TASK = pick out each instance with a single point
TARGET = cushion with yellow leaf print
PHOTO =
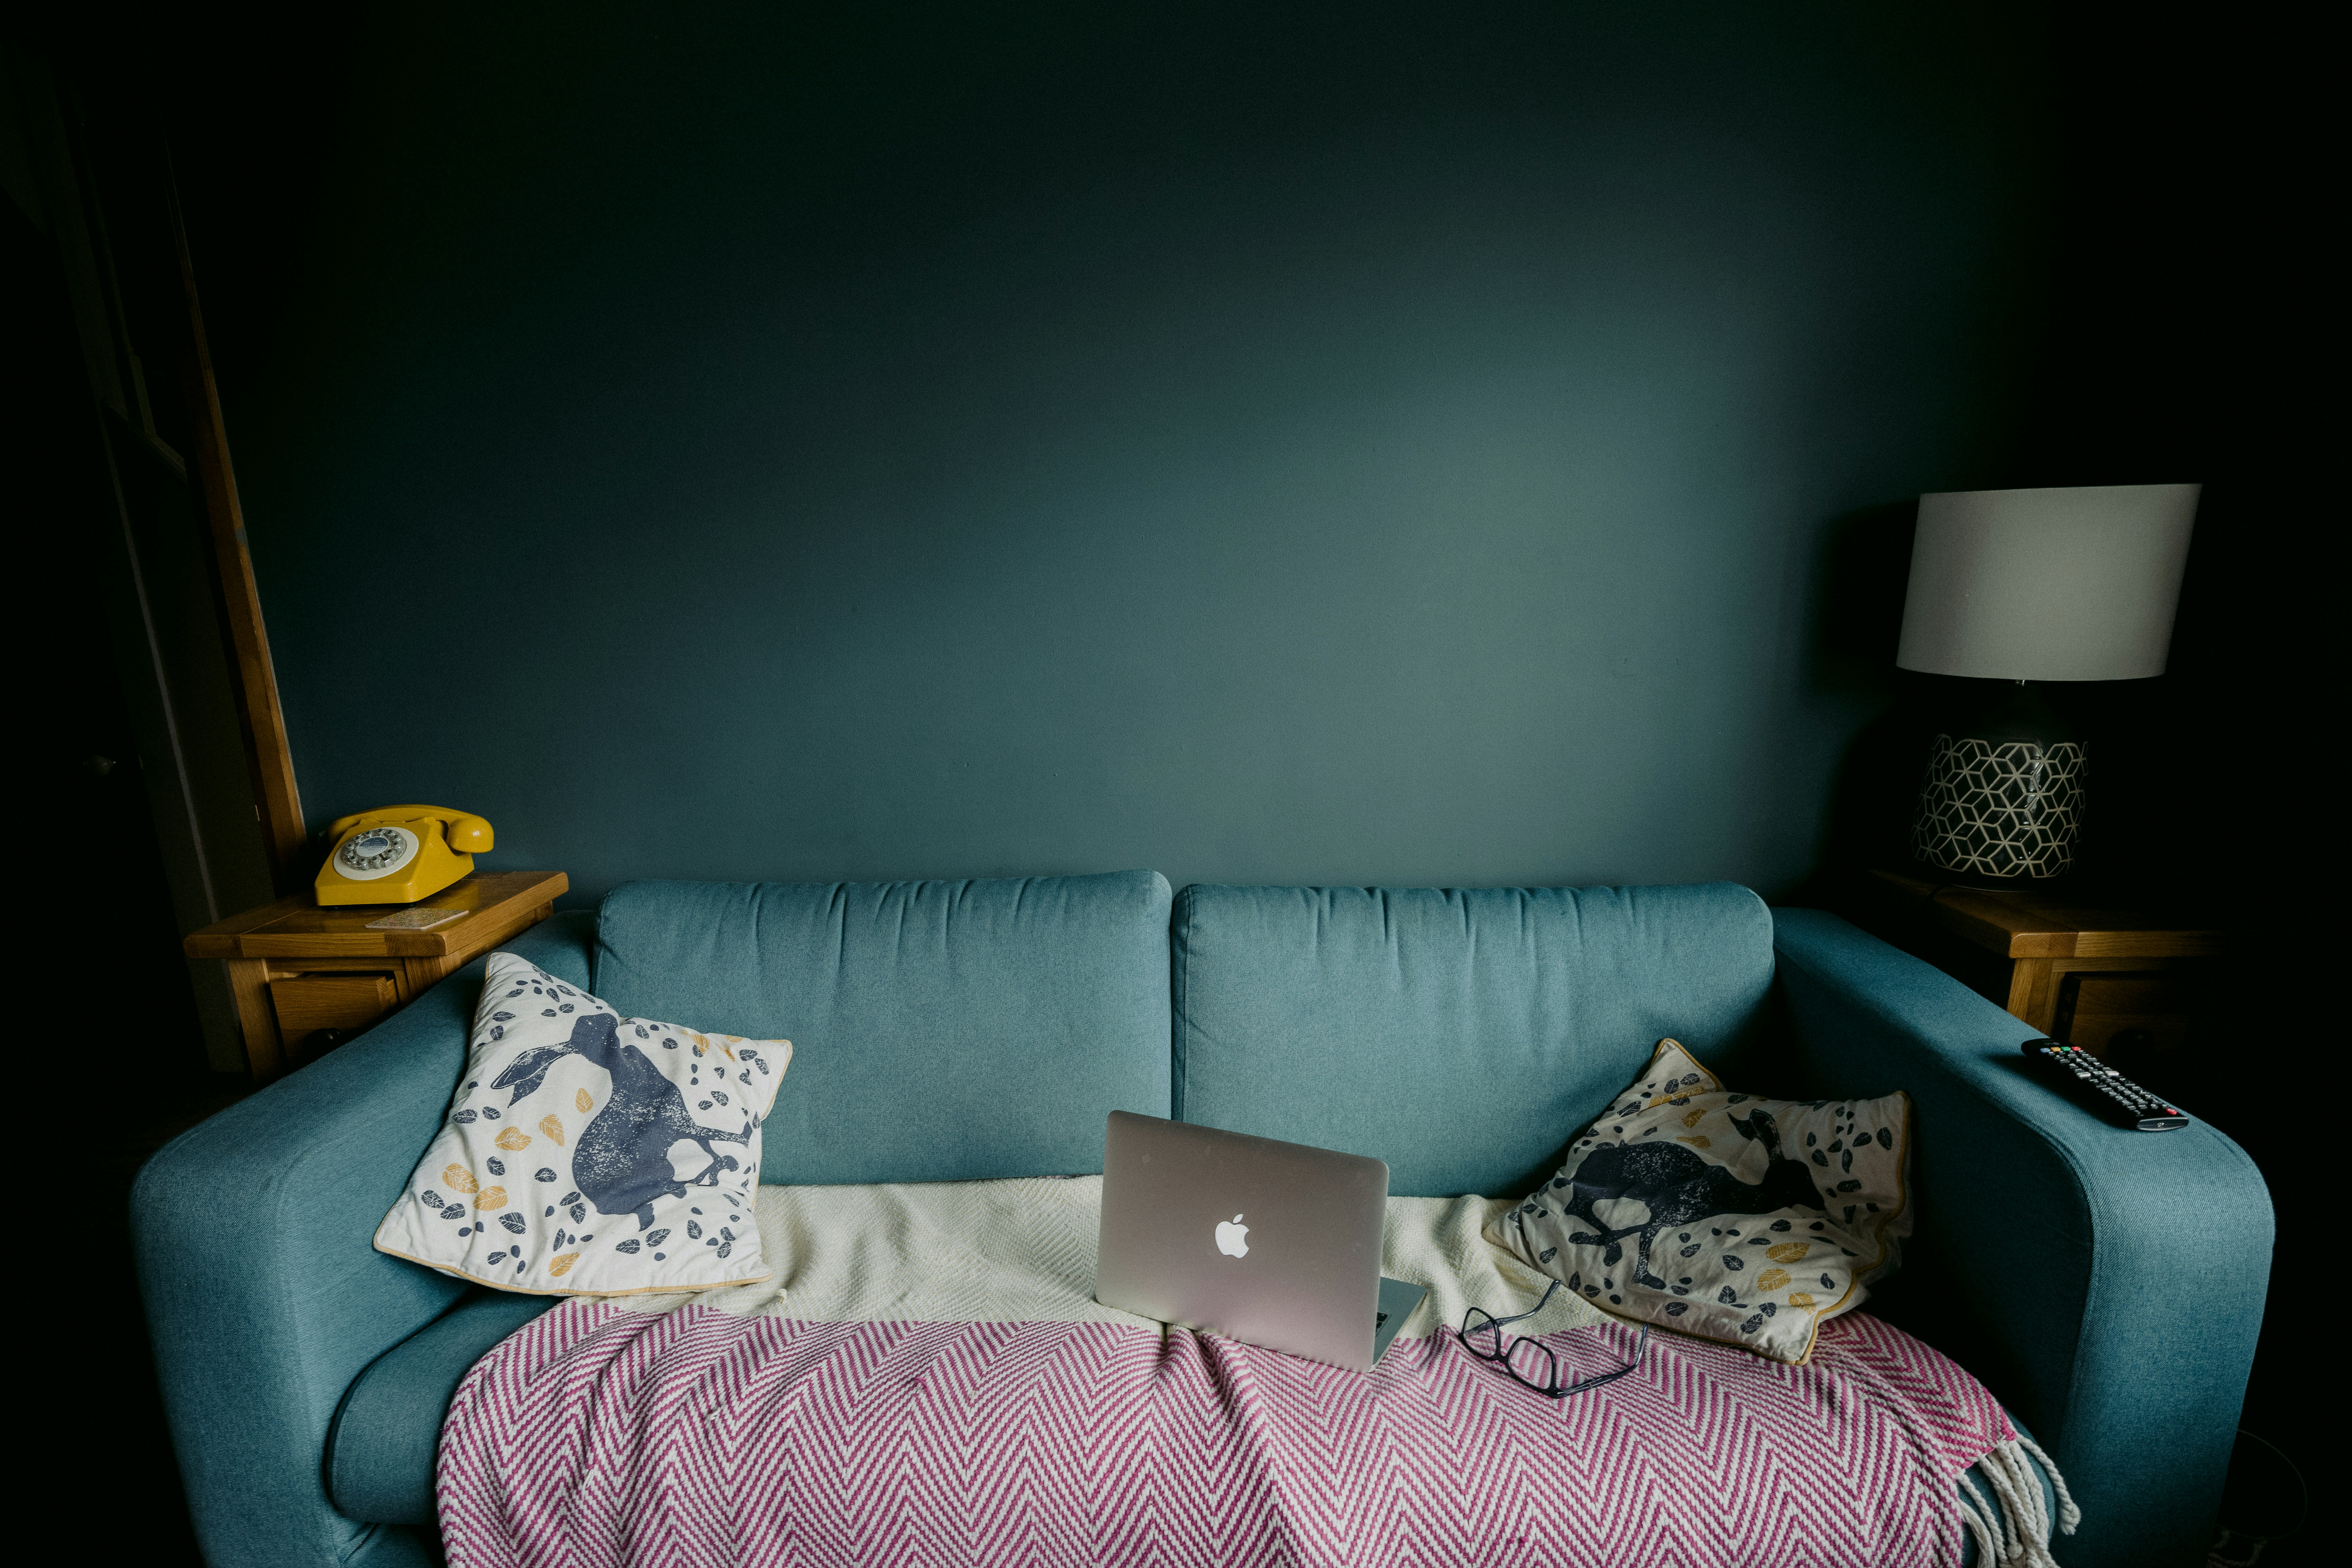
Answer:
(590, 1154)
(1734, 1219)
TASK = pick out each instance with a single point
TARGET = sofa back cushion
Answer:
(941, 1031)
(1463, 1036)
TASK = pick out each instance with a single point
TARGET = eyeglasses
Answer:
(1530, 1361)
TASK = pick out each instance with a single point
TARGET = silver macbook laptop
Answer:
(1275, 1244)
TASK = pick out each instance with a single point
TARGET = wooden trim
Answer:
(425, 972)
(501, 902)
(219, 938)
(404, 963)
(277, 794)
(265, 1052)
(307, 1003)
(2032, 996)
(2025, 925)
(2147, 944)
(2109, 965)
(2037, 984)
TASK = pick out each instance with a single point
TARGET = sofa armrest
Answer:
(265, 1297)
(2106, 1284)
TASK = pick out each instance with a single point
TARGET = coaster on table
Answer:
(417, 920)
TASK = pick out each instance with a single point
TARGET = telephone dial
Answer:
(400, 854)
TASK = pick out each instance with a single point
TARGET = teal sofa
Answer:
(2106, 1286)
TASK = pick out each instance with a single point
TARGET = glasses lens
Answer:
(1480, 1334)
(1531, 1362)
(1598, 1361)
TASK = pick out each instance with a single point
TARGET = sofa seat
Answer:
(381, 1448)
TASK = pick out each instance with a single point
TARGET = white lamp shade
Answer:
(2078, 584)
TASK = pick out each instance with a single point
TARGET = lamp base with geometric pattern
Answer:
(2008, 810)
(2002, 799)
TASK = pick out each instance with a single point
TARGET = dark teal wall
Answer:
(1333, 449)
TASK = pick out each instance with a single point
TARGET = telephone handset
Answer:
(400, 854)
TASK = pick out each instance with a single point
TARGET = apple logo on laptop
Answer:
(1232, 1238)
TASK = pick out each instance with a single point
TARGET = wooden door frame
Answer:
(277, 797)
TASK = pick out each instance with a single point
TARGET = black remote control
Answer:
(2100, 1089)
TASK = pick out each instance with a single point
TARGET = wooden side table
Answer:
(297, 971)
(2078, 974)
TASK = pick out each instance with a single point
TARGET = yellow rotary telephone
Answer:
(400, 854)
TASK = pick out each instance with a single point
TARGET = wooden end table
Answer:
(2079, 974)
(299, 970)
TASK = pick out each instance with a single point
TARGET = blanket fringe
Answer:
(2011, 1529)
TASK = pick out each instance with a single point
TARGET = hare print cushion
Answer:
(588, 1155)
(1727, 1217)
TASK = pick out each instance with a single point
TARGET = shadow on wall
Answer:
(1863, 568)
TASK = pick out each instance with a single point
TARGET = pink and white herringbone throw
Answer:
(734, 1432)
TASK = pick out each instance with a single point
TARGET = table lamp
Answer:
(2075, 584)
